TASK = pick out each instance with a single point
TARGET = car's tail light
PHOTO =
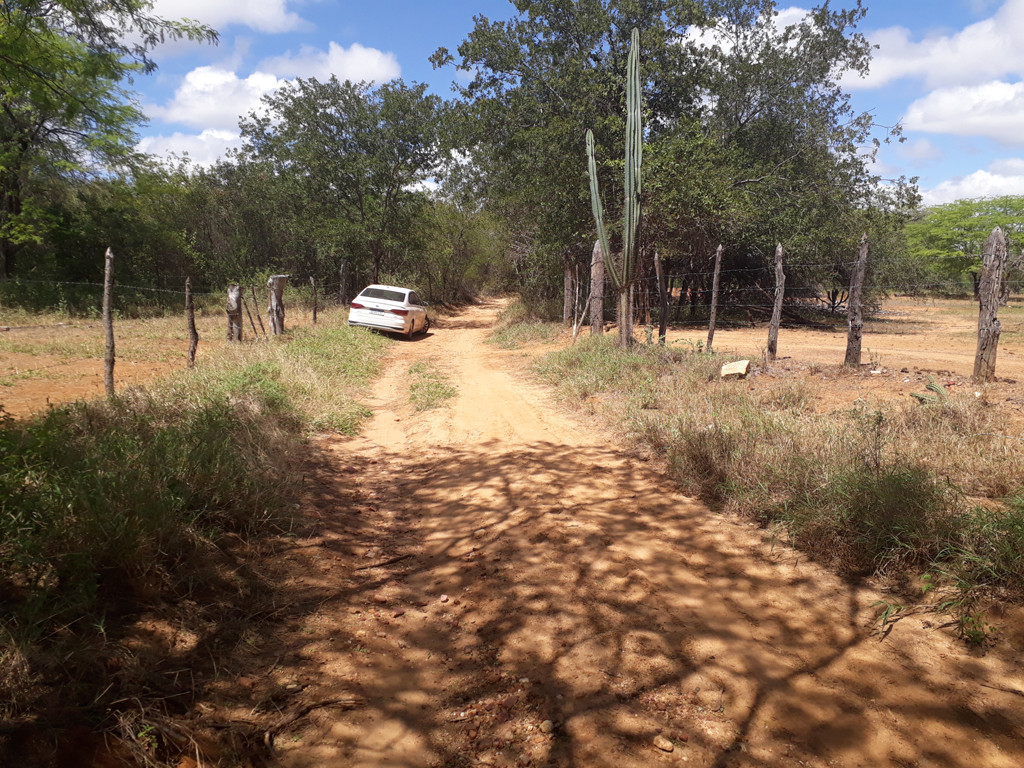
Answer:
(354, 305)
(402, 312)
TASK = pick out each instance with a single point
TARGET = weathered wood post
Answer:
(854, 310)
(190, 317)
(714, 298)
(993, 264)
(597, 290)
(659, 269)
(780, 290)
(256, 309)
(234, 312)
(108, 321)
(312, 282)
(275, 312)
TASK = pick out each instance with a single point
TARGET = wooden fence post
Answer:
(256, 309)
(234, 312)
(993, 264)
(275, 312)
(312, 282)
(854, 310)
(108, 321)
(190, 317)
(659, 269)
(780, 289)
(597, 291)
(714, 298)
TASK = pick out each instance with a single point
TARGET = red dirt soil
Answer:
(498, 583)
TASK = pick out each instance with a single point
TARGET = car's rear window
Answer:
(380, 293)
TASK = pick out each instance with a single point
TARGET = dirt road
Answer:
(509, 587)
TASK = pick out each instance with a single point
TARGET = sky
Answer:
(950, 71)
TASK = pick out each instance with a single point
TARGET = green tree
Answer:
(721, 80)
(947, 239)
(352, 160)
(64, 106)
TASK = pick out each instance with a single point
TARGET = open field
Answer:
(53, 359)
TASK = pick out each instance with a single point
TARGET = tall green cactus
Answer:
(622, 273)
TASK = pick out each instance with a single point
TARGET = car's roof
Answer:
(387, 287)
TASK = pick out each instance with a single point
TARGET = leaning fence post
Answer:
(714, 298)
(248, 314)
(780, 289)
(312, 282)
(256, 309)
(234, 311)
(993, 264)
(275, 312)
(190, 317)
(854, 311)
(108, 321)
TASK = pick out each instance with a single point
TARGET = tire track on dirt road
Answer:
(556, 603)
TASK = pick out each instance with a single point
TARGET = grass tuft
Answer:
(430, 387)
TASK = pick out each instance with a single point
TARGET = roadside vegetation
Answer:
(925, 488)
(109, 506)
(519, 325)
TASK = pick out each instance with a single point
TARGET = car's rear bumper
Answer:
(380, 322)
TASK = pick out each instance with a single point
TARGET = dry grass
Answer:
(875, 488)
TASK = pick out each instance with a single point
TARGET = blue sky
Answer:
(949, 70)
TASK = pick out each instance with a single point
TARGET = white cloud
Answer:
(984, 51)
(1003, 177)
(204, 148)
(215, 98)
(356, 63)
(921, 150)
(262, 15)
(994, 110)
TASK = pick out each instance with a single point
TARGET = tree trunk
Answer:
(854, 310)
(343, 282)
(190, 318)
(659, 268)
(780, 290)
(234, 312)
(108, 321)
(567, 288)
(597, 291)
(275, 312)
(993, 264)
(714, 298)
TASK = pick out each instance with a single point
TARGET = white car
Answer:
(389, 308)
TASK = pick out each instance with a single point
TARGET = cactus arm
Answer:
(634, 156)
(596, 206)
